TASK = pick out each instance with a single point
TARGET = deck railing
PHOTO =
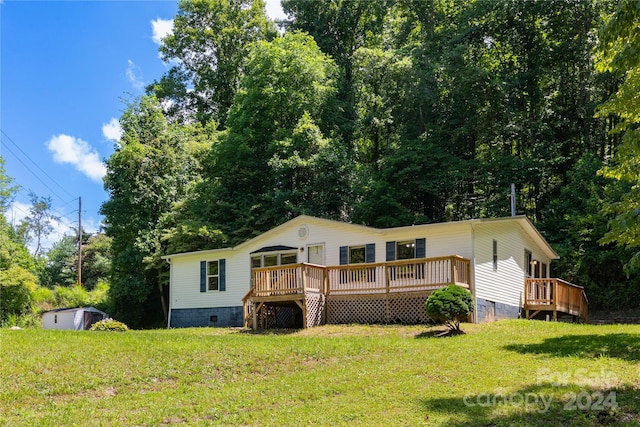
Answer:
(394, 276)
(247, 308)
(288, 279)
(399, 276)
(555, 295)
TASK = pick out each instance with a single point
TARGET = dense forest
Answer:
(384, 113)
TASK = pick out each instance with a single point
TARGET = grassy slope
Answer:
(351, 375)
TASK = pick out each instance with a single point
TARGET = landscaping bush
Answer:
(109, 325)
(450, 305)
(16, 287)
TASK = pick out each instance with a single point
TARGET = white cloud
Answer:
(68, 149)
(274, 9)
(161, 28)
(112, 130)
(134, 74)
(90, 225)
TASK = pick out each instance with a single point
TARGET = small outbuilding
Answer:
(77, 319)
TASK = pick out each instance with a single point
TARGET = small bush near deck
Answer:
(109, 325)
(450, 306)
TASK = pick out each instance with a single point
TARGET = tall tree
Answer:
(619, 46)
(209, 48)
(7, 188)
(148, 172)
(289, 86)
(60, 267)
(16, 264)
(340, 28)
(96, 260)
(37, 225)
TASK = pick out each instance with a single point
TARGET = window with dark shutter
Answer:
(421, 248)
(203, 276)
(391, 251)
(222, 275)
(370, 253)
(344, 255)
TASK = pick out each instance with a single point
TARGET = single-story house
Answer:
(77, 319)
(309, 271)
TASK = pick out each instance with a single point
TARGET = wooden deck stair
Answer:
(554, 296)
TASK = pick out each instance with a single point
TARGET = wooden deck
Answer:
(385, 289)
(300, 283)
(553, 296)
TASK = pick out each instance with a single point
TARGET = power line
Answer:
(62, 219)
(60, 213)
(33, 173)
(8, 138)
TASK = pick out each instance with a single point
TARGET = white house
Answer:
(309, 271)
(72, 318)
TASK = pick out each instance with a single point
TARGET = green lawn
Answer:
(506, 373)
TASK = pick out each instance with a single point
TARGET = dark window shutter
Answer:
(344, 255)
(370, 253)
(222, 275)
(421, 248)
(203, 276)
(391, 251)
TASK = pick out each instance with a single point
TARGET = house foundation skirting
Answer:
(316, 309)
(404, 308)
(488, 311)
(199, 317)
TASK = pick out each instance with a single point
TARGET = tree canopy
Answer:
(385, 114)
(620, 43)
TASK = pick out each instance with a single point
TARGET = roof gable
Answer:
(525, 224)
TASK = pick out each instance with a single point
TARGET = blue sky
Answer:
(65, 67)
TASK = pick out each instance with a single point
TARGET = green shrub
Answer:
(109, 325)
(450, 305)
(16, 287)
(45, 299)
(27, 320)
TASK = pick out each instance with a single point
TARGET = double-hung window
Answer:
(213, 275)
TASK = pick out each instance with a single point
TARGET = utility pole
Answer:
(79, 241)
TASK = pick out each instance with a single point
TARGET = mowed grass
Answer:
(496, 374)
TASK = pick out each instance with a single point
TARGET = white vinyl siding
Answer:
(469, 239)
(185, 281)
(185, 274)
(506, 283)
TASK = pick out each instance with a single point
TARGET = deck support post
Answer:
(256, 313)
(255, 316)
(386, 283)
(303, 306)
(304, 278)
(452, 260)
(555, 300)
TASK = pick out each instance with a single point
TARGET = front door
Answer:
(315, 254)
